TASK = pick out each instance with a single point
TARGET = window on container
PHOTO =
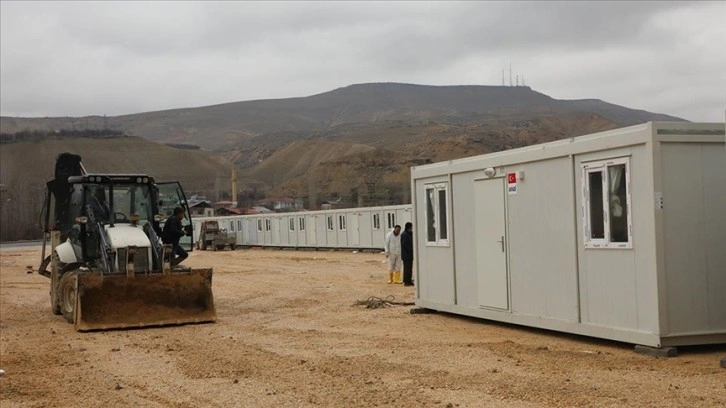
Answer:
(231, 226)
(391, 220)
(376, 221)
(331, 226)
(437, 215)
(607, 204)
(268, 225)
(259, 225)
(239, 225)
(292, 224)
(341, 222)
(301, 221)
(443, 228)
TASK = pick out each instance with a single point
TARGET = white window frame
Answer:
(292, 224)
(602, 167)
(434, 221)
(390, 220)
(376, 222)
(342, 221)
(259, 225)
(301, 221)
(330, 223)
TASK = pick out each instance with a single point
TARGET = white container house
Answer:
(618, 235)
(350, 228)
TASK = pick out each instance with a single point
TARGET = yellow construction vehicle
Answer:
(107, 266)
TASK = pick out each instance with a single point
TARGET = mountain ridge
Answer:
(220, 126)
(353, 145)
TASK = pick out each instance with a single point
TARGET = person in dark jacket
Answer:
(172, 233)
(407, 254)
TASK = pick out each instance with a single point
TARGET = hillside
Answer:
(25, 166)
(355, 144)
(225, 126)
(380, 175)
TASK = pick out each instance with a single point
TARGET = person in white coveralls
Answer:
(392, 249)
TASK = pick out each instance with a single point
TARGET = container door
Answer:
(354, 230)
(276, 231)
(491, 244)
(312, 230)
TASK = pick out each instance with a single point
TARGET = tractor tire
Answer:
(204, 245)
(219, 248)
(67, 295)
(232, 247)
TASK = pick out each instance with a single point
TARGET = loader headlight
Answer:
(138, 179)
(82, 220)
(158, 217)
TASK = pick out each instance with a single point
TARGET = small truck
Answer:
(215, 238)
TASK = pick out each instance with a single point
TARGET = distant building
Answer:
(230, 211)
(259, 210)
(221, 204)
(199, 205)
(332, 205)
(281, 204)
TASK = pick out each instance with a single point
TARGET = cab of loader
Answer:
(90, 210)
(97, 209)
(108, 267)
(101, 203)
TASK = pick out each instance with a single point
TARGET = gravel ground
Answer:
(290, 335)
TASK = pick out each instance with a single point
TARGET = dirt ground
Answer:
(288, 335)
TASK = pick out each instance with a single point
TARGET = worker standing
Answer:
(392, 250)
(173, 231)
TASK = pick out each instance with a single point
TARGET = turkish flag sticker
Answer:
(511, 178)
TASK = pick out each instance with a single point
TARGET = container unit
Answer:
(351, 228)
(618, 235)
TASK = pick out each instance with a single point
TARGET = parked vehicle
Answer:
(211, 236)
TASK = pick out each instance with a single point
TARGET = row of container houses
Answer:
(351, 228)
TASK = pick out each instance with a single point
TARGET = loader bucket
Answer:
(115, 302)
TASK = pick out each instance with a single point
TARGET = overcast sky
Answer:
(87, 58)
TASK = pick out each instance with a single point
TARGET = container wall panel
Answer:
(618, 287)
(541, 240)
(694, 235)
(435, 264)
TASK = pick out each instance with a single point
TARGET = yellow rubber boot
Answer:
(390, 277)
(397, 277)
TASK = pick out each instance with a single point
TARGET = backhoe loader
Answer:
(108, 269)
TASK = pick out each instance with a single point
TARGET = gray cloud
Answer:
(83, 58)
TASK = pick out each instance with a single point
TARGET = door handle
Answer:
(502, 242)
